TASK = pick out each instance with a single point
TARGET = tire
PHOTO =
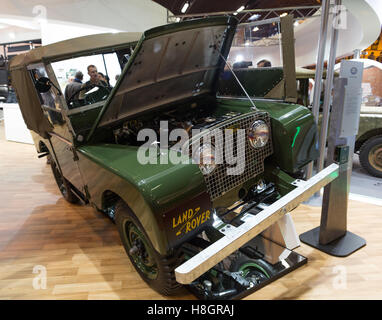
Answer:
(155, 269)
(370, 156)
(257, 268)
(62, 183)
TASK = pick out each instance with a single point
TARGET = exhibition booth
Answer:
(190, 150)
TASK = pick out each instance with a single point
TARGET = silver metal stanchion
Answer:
(332, 236)
(328, 88)
(319, 68)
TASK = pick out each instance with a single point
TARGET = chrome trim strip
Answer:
(216, 252)
(252, 98)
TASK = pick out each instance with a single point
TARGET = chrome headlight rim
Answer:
(205, 151)
(256, 137)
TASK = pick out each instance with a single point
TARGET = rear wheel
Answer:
(155, 269)
(62, 183)
(370, 156)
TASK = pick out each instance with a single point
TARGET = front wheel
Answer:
(370, 156)
(156, 270)
(254, 270)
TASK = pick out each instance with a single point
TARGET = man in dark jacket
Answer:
(74, 86)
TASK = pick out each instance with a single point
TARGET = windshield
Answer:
(89, 79)
(256, 60)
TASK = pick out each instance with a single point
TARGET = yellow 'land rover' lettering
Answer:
(189, 221)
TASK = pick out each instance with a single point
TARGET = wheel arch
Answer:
(109, 199)
(141, 210)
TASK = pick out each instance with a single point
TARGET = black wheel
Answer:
(62, 183)
(254, 270)
(370, 156)
(156, 270)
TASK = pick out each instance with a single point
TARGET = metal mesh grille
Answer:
(220, 181)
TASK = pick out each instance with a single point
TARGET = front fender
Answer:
(150, 190)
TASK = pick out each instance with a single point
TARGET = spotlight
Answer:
(254, 17)
(185, 7)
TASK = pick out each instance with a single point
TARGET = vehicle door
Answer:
(60, 137)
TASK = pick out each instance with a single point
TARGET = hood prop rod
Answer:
(238, 81)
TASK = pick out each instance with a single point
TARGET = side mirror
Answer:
(43, 85)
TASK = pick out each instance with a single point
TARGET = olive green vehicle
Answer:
(169, 73)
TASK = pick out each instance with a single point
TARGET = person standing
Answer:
(74, 86)
(92, 82)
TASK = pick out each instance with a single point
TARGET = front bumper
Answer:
(236, 237)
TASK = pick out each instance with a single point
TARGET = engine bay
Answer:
(187, 117)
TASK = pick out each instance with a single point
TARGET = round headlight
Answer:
(258, 134)
(204, 156)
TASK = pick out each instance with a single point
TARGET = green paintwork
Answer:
(286, 118)
(149, 190)
(82, 122)
(163, 185)
(257, 82)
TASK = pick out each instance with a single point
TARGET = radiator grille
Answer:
(219, 181)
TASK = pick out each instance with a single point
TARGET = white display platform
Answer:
(15, 128)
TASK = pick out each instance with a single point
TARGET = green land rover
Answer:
(170, 75)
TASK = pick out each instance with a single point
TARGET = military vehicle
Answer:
(167, 213)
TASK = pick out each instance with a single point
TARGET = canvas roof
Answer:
(73, 47)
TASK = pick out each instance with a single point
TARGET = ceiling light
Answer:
(255, 29)
(177, 19)
(254, 17)
(284, 14)
(240, 9)
(185, 7)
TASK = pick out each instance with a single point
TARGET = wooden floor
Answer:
(84, 258)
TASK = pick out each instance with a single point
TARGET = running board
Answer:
(232, 241)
